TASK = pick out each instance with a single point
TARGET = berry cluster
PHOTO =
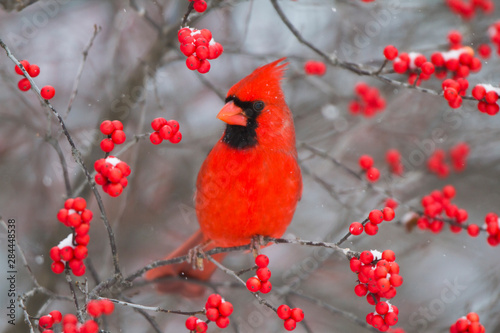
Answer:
(71, 251)
(216, 310)
(46, 322)
(199, 5)
(467, 8)
(114, 131)
(492, 228)
(393, 158)
(70, 324)
(469, 324)
(367, 102)
(260, 282)
(199, 47)
(494, 34)
(33, 70)
(415, 64)
(111, 174)
(487, 95)
(366, 163)
(96, 308)
(459, 61)
(165, 130)
(370, 225)
(312, 67)
(437, 206)
(290, 316)
(378, 276)
(458, 154)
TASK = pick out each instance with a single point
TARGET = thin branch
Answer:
(26, 315)
(80, 70)
(64, 166)
(73, 293)
(146, 316)
(152, 308)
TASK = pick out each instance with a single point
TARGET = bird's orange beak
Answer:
(232, 114)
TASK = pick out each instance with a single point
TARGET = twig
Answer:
(77, 156)
(152, 308)
(64, 166)
(26, 315)
(345, 251)
(73, 293)
(146, 316)
(80, 70)
(186, 15)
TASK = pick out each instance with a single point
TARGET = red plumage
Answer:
(250, 182)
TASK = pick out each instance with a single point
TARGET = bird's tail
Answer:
(185, 269)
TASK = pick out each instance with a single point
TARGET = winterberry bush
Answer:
(108, 111)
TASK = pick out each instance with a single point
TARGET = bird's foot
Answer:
(196, 256)
(255, 244)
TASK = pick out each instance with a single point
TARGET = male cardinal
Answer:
(250, 182)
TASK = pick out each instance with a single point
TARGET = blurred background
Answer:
(135, 72)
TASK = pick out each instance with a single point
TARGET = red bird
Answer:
(250, 182)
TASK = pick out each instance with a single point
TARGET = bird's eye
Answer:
(258, 106)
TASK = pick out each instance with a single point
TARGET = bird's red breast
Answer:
(250, 182)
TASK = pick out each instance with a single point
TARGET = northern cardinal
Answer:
(250, 182)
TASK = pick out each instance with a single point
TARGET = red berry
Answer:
(165, 132)
(115, 175)
(200, 6)
(201, 327)
(390, 52)
(56, 315)
(24, 84)
(57, 267)
(75, 264)
(365, 162)
(69, 319)
(89, 326)
(389, 255)
(202, 52)
(107, 145)
(484, 51)
(214, 300)
(174, 125)
(371, 229)
(478, 92)
(94, 308)
(47, 92)
(356, 228)
(115, 190)
(491, 97)
(473, 230)
(391, 319)
(290, 324)
(46, 321)
(82, 239)
(212, 314)
(253, 284)
(55, 253)
(155, 138)
(192, 62)
(284, 312)
(360, 290)
(79, 204)
(427, 68)
(372, 174)
(107, 127)
(118, 137)
(191, 323)
(354, 264)
(382, 308)
(450, 94)
(388, 213)
(396, 280)
(66, 253)
(204, 66)
(225, 309)
(187, 49)
(264, 274)
(376, 216)
(124, 168)
(87, 215)
(62, 215)
(25, 64)
(222, 322)
(265, 287)
(33, 70)
(297, 314)
(158, 123)
(176, 138)
(80, 252)
(262, 261)
(366, 257)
